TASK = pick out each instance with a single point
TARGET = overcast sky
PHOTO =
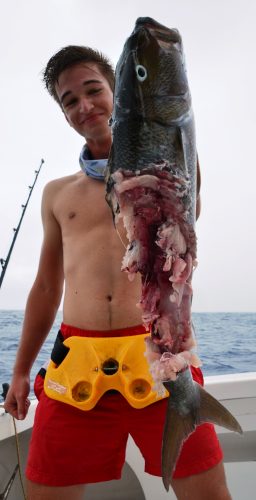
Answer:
(219, 41)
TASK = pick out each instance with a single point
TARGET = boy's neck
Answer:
(100, 149)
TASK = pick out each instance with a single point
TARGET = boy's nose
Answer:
(86, 105)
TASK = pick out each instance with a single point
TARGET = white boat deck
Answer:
(237, 392)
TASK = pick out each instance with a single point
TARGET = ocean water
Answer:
(226, 342)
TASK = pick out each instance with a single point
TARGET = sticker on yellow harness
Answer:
(96, 365)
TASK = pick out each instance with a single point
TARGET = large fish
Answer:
(152, 183)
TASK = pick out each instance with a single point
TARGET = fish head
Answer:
(151, 80)
(152, 120)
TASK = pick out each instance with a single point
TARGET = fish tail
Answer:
(179, 425)
(176, 431)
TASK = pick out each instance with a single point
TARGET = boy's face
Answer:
(87, 100)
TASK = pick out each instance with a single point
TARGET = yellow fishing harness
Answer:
(93, 366)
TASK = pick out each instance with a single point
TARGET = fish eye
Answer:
(141, 72)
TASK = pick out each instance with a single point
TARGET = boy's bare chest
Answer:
(83, 207)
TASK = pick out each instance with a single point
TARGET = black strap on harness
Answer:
(42, 372)
(59, 351)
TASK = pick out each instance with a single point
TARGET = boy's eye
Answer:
(94, 91)
(69, 103)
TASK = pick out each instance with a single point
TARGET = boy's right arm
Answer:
(41, 308)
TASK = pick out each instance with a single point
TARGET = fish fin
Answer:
(110, 184)
(211, 410)
(176, 431)
(198, 176)
(178, 426)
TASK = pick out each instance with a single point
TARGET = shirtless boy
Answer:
(82, 249)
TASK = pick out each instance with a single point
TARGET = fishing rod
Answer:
(5, 493)
(4, 262)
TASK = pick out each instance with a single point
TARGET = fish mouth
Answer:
(161, 33)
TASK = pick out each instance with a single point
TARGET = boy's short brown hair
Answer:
(70, 56)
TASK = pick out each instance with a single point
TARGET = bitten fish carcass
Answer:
(152, 184)
(152, 178)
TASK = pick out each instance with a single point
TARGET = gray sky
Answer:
(219, 41)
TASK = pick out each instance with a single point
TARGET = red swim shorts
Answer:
(70, 446)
